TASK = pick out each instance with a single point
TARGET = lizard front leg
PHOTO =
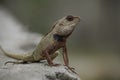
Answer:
(65, 56)
(66, 60)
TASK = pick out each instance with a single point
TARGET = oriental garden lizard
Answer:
(49, 45)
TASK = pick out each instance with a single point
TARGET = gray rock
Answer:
(34, 71)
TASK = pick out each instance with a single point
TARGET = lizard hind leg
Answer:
(55, 55)
(15, 62)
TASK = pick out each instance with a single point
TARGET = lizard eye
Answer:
(69, 17)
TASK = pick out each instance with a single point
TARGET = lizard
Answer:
(48, 47)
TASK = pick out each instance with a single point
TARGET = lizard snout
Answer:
(78, 18)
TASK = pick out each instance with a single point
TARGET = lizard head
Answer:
(66, 25)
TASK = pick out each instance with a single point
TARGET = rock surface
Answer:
(33, 71)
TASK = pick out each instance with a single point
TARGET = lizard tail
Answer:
(15, 56)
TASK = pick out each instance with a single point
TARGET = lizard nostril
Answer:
(69, 17)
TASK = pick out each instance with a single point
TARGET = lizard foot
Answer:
(54, 65)
(71, 69)
(15, 62)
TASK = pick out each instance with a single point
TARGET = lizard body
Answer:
(49, 45)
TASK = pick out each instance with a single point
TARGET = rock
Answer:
(34, 71)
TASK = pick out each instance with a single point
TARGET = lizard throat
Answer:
(59, 38)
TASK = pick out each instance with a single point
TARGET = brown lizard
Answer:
(49, 45)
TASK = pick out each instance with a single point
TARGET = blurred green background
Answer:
(94, 47)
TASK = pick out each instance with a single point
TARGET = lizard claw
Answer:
(71, 69)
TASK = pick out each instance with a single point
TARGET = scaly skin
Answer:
(48, 47)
